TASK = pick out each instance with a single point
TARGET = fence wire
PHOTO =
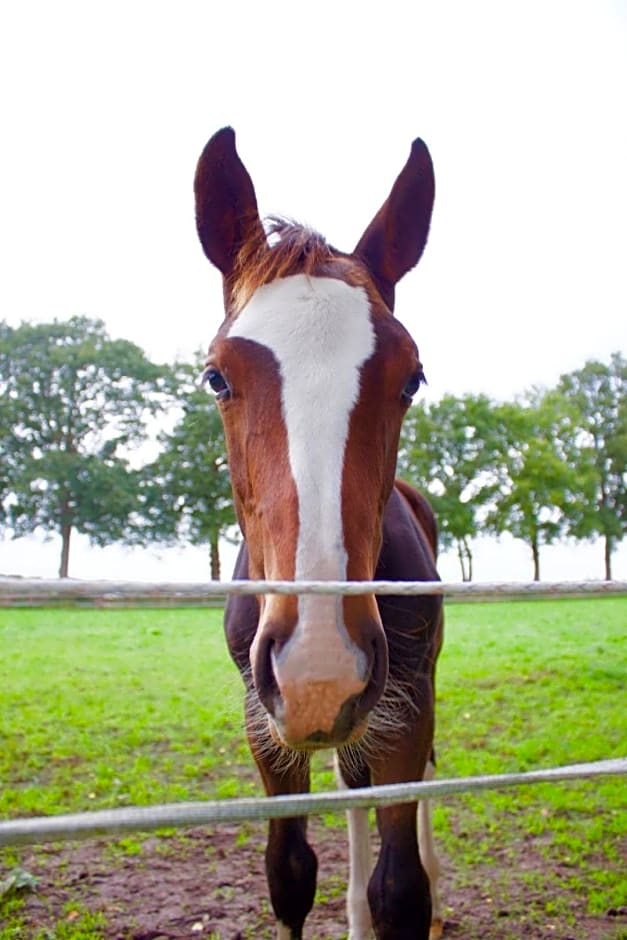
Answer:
(75, 826)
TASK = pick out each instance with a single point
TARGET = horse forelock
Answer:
(283, 248)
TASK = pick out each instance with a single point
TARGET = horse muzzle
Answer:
(319, 695)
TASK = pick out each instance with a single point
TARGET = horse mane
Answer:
(281, 248)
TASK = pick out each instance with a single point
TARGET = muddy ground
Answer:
(212, 884)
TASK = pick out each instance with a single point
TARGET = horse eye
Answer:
(217, 382)
(417, 379)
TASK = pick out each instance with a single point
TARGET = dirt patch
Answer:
(213, 883)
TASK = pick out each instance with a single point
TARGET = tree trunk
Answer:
(468, 559)
(535, 550)
(608, 558)
(462, 559)
(66, 531)
(214, 553)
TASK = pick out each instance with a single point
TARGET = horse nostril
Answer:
(264, 678)
(347, 718)
(377, 681)
(356, 707)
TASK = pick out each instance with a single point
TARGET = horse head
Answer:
(313, 375)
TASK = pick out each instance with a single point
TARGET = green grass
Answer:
(526, 685)
(105, 708)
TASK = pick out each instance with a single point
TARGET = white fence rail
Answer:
(35, 592)
(145, 818)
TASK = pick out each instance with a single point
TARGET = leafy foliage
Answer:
(17, 880)
(549, 465)
(598, 395)
(448, 450)
(74, 402)
(539, 472)
(186, 491)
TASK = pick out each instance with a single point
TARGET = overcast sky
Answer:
(106, 107)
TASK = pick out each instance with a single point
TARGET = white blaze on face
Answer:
(320, 332)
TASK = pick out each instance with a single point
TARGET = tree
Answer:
(6, 424)
(598, 394)
(448, 450)
(186, 491)
(74, 403)
(538, 472)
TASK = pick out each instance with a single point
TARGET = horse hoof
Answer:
(437, 929)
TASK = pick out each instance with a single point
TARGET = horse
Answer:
(313, 374)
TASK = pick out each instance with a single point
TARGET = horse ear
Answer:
(226, 205)
(395, 239)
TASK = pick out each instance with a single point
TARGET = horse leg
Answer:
(398, 891)
(291, 868)
(360, 861)
(291, 864)
(359, 857)
(430, 859)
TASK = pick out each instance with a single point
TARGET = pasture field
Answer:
(102, 708)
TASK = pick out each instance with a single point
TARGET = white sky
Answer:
(106, 107)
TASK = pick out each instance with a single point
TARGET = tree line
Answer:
(550, 465)
(80, 412)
